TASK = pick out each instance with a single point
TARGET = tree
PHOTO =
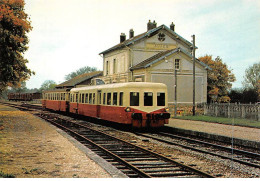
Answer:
(14, 25)
(243, 95)
(48, 85)
(220, 79)
(252, 76)
(80, 71)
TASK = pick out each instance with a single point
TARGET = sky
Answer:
(68, 35)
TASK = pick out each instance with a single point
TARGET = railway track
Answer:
(236, 155)
(132, 160)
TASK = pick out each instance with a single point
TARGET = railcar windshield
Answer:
(148, 99)
(134, 98)
(160, 99)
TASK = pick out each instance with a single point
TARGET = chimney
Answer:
(122, 37)
(131, 33)
(151, 25)
(154, 24)
(172, 26)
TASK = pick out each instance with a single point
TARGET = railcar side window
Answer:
(99, 97)
(160, 99)
(77, 96)
(104, 99)
(82, 97)
(86, 99)
(134, 98)
(115, 98)
(90, 98)
(121, 99)
(108, 98)
(93, 102)
(148, 99)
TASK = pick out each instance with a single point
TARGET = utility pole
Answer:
(193, 57)
(175, 91)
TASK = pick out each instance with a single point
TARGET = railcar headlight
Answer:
(127, 109)
(167, 109)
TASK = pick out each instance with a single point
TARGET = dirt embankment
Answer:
(31, 148)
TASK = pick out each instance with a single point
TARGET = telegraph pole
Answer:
(175, 91)
(193, 57)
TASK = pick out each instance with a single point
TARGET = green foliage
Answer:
(221, 120)
(48, 85)
(6, 175)
(252, 76)
(220, 79)
(243, 95)
(80, 71)
(14, 26)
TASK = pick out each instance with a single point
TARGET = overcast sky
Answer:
(68, 35)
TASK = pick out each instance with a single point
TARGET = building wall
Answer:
(162, 71)
(144, 49)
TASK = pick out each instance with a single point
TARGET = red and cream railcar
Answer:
(57, 100)
(139, 104)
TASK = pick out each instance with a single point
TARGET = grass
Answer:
(6, 175)
(221, 120)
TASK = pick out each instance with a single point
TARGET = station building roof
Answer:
(84, 79)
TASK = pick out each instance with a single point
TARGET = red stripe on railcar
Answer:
(55, 105)
(119, 115)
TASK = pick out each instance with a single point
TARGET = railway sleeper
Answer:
(153, 163)
(160, 170)
(140, 159)
(155, 166)
(182, 173)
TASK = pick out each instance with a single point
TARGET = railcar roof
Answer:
(56, 90)
(123, 85)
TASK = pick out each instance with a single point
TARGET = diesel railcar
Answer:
(138, 104)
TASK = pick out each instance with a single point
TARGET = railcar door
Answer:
(98, 103)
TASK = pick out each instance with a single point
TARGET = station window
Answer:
(86, 98)
(121, 99)
(177, 64)
(115, 98)
(104, 99)
(134, 98)
(108, 98)
(160, 99)
(90, 98)
(148, 99)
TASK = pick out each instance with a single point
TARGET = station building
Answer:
(153, 56)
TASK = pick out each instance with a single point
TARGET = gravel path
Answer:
(31, 148)
(218, 129)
